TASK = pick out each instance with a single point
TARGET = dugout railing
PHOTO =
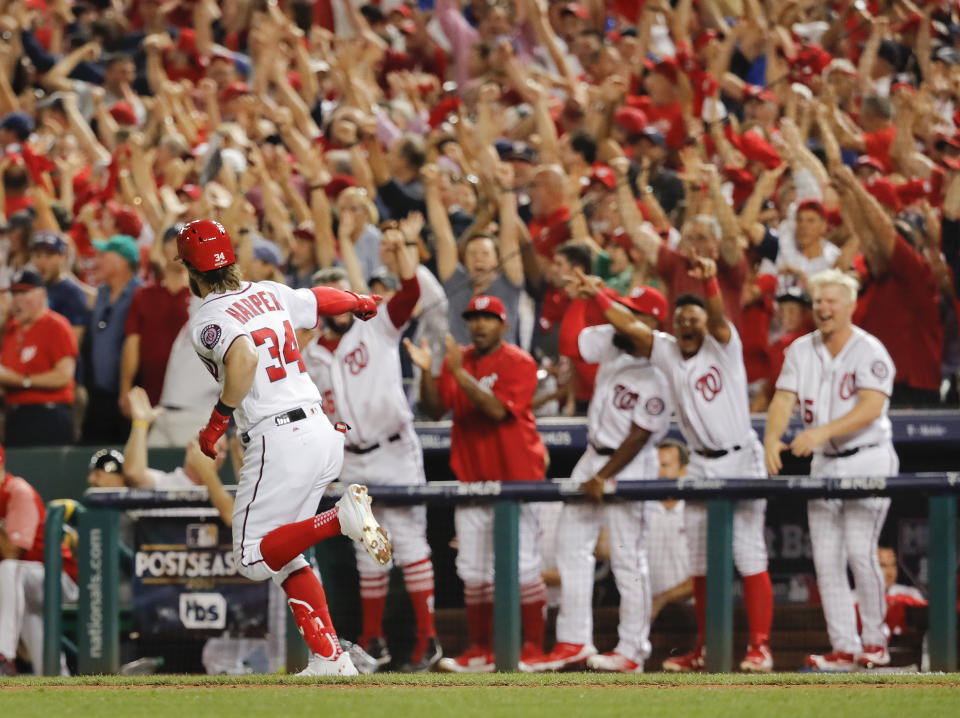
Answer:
(98, 632)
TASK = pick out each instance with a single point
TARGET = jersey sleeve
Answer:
(301, 304)
(663, 353)
(517, 384)
(212, 335)
(654, 408)
(596, 344)
(789, 379)
(875, 369)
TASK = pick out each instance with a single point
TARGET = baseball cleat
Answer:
(378, 651)
(613, 662)
(7, 667)
(565, 655)
(473, 660)
(531, 655)
(358, 522)
(758, 660)
(873, 656)
(835, 662)
(431, 656)
(340, 666)
(361, 660)
(693, 661)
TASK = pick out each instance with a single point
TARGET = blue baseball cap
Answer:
(268, 253)
(19, 123)
(50, 241)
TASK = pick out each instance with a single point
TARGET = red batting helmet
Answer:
(205, 244)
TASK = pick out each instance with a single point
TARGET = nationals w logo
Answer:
(358, 359)
(848, 386)
(709, 384)
(623, 398)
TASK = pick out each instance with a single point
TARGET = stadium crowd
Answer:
(506, 148)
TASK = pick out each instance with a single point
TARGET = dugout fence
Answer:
(99, 551)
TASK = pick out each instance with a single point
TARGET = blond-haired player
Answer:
(842, 377)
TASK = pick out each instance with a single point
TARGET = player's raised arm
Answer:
(778, 418)
(622, 319)
(717, 325)
(331, 302)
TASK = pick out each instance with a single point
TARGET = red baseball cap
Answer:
(603, 175)
(622, 239)
(126, 219)
(485, 304)
(632, 119)
(885, 191)
(234, 90)
(667, 67)
(814, 205)
(756, 92)
(868, 161)
(124, 113)
(644, 300)
(337, 184)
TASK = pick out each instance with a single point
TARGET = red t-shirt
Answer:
(482, 449)
(900, 309)
(877, 145)
(24, 515)
(672, 267)
(755, 328)
(550, 231)
(157, 316)
(37, 350)
(580, 315)
(15, 204)
(666, 118)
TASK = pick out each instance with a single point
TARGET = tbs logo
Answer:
(203, 611)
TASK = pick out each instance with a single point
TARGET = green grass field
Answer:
(487, 696)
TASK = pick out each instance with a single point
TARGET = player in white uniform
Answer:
(244, 332)
(703, 364)
(842, 377)
(629, 413)
(356, 367)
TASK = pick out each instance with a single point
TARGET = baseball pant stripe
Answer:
(863, 519)
(246, 513)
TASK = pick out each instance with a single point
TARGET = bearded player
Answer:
(703, 363)
(244, 332)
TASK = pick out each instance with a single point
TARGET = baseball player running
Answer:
(842, 377)
(629, 413)
(356, 367)
(244, 332)
(703, 363)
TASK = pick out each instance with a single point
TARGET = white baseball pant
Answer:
(285, 472)
(576, 539)
(21, 608)
(846, 532)
(398, 463)
(474, 528)
(749, 543)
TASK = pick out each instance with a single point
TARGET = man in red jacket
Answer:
(489, 386)
(22, 517)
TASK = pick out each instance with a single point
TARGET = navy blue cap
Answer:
(19, 123)
(510, 150)
(50, 241)
(267, 252)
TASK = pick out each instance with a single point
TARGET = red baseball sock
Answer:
(282, 545)
(419, 580)
(700, 606)
(373, 597)
(533, 603)
(479, 604)
(758, 602)
(309, 605)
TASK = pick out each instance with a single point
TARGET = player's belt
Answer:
(602, 450)
(849, 452)
(373, 447)
(281, 420)
(717, 453)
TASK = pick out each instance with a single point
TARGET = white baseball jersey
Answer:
(827, 385)
(710, 389)
(360, 379)
(268, 314)
(628, 390)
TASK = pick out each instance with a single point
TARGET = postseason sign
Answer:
(185, 581)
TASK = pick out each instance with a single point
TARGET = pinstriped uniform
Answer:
(845, 532)
(628, 391)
